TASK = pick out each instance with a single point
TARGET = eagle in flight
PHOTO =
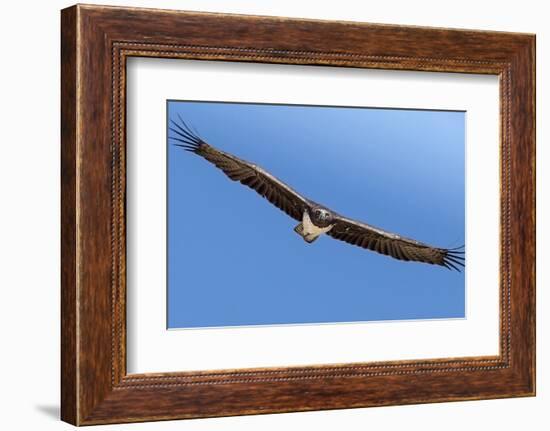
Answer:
(314, 219)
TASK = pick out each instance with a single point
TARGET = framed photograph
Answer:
(263, 214)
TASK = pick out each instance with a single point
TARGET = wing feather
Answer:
(293, 204)
(266, 185)
(387, 243)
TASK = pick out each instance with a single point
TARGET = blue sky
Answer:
(234, 259)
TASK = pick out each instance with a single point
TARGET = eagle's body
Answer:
(309, 230)
(315, 219)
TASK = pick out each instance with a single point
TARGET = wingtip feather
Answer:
(454, 257)
(182, 133)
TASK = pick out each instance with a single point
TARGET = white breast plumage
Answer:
(310, 230)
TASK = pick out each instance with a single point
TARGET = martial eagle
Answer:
(314, 219)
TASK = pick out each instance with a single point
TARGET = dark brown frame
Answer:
(95, 43)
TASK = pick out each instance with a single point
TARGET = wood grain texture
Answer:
(96, 41)
(69, 366)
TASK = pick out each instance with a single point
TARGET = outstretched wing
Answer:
(249, 174)
(390, 244)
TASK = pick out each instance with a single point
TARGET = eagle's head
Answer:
(321, 217)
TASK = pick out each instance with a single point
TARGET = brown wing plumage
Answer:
(294, 205)
(249, 174)
(390, 244)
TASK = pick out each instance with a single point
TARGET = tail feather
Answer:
(308, 237)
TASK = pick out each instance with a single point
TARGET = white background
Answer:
(152, 349)
(29, 217)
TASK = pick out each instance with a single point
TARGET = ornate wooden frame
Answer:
(96, 41)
